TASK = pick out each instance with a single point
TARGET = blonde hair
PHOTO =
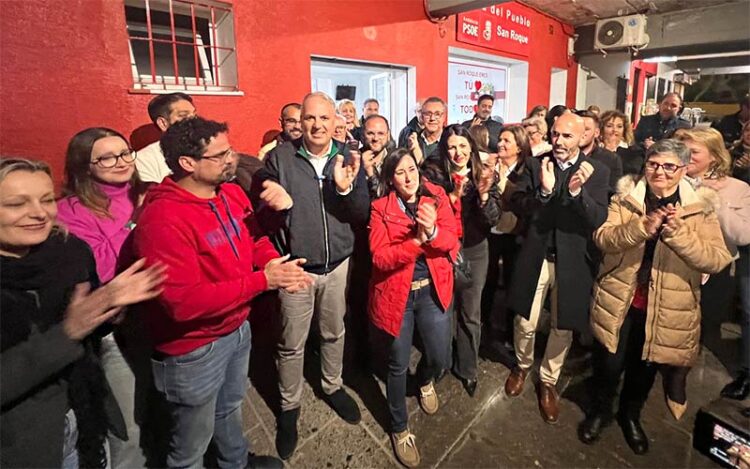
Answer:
(711, 138)
(349, 104)
(540, 124)
(627, 133)
(11, 165)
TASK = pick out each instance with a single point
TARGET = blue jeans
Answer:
(203, 390)
(434, 326)
(743, 281)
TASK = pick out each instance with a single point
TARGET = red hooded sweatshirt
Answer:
(214, 267)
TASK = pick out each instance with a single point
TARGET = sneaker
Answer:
(344, 406)
(286, 433)
(405, 448)
(428, 399)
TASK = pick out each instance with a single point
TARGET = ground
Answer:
(489, 430)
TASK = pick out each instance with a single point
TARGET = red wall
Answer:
(65, 66)
(647, 70)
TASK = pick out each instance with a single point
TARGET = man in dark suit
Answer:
(590, 147)
(483, 117)
(563, 196)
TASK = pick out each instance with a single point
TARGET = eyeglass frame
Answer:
(429, 115)
(129, 152)
(228, 153)
(656, 166)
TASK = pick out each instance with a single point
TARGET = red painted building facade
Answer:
(66, 65)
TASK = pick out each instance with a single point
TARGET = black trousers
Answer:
(639, 374)
(495, 313)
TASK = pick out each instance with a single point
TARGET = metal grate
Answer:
(186, 45)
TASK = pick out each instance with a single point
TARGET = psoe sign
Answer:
(505, 27)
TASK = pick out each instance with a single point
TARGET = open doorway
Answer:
(358, 81)
(558, 87)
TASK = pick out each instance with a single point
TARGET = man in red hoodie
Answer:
(197, 226)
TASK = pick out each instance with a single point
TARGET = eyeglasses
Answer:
(432, 115)
(228, 153)
(110, 161)
(669, 168)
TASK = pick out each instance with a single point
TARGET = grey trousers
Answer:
(326, 298)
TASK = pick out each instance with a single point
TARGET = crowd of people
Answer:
(125, 304)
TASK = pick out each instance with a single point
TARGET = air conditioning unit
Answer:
(623, 31)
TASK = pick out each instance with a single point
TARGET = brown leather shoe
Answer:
(548, 403)
(514, 383)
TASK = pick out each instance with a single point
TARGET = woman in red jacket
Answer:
(412, 233)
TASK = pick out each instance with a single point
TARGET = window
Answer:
(182, 45)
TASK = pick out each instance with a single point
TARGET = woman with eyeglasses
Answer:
(102, 192)
(472, 190)
(660, 237)
(711, 167)
(536, 129)
(56, 405)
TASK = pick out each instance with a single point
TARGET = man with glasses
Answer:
(425, 142)
(483, 117)
(199, 228)
(164, 110)
(291, 128)
(312, 195)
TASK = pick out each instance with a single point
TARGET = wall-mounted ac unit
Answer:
(623, 31)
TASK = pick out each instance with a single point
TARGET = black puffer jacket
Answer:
(320, 225)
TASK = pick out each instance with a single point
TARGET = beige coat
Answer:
(673, 311)
(732, 205)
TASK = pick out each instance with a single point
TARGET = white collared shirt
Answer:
(563, 165)
(319, 161)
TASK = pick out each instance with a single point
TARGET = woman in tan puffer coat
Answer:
(660, 237)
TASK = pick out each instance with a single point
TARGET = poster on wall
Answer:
(467, 81)
(505, 27)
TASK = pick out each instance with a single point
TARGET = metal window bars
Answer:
(182, 45)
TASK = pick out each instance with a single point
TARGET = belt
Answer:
(417, 284)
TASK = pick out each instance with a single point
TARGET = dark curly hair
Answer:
(188, 137)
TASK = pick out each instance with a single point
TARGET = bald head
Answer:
(318, 111)
(566, 136)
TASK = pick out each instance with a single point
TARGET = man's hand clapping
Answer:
(286, 274)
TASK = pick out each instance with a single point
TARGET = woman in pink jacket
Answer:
(101, 187)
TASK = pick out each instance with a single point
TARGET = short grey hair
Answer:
(540, 124)
(319, 94)
(670, 145)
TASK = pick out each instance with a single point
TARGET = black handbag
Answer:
(461, 272)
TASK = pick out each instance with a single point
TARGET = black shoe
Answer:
(591, 428)
(634, 435)
(470, 385)
(739, 388)
(745, 412)
(263, 462)
(344, 406)
(286, 433)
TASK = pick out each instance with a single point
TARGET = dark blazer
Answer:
(565, 224)
(653, 126)
(611, 161)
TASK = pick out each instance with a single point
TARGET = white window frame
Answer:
(163, 84)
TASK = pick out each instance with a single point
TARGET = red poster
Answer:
(505, 27)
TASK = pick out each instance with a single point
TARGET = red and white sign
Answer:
(505, 27)
(467, 81)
